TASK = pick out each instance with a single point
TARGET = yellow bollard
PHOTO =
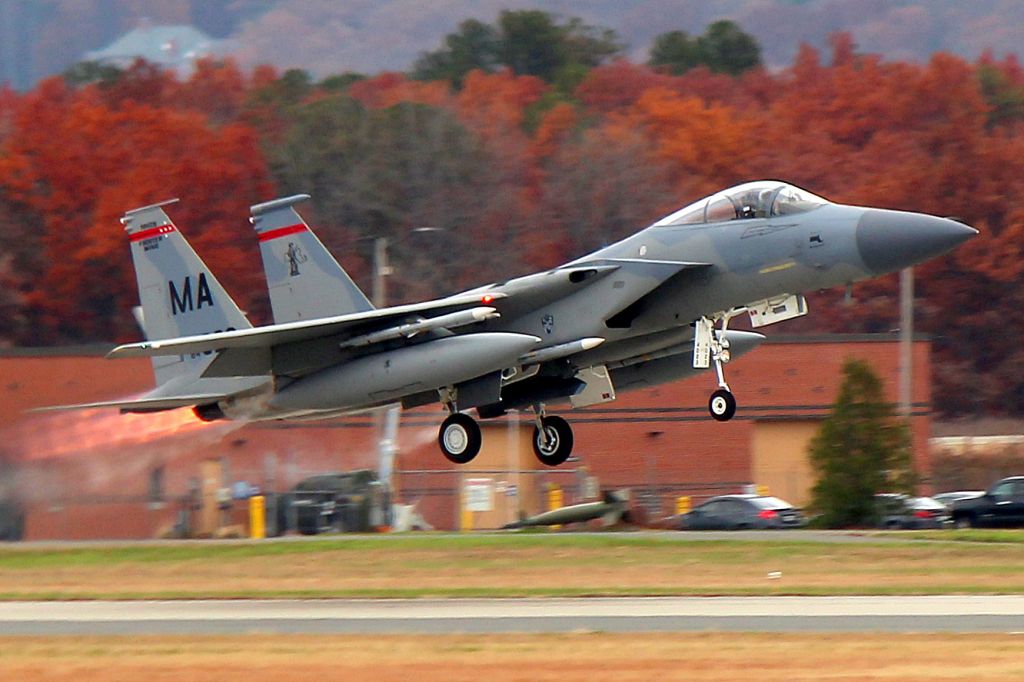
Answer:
(682, 505)
(257, 517)
(554, 501)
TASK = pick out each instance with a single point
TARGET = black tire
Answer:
(559, 441)
(722, 405)
(963, 522)
(459, 438)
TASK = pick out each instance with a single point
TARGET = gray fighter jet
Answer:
(649, 309)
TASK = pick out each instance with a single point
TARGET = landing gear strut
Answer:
(712, 346)
(552, 439)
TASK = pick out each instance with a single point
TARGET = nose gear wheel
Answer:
(722, 405)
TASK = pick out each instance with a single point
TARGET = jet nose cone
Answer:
(742, 342)
(892, 240)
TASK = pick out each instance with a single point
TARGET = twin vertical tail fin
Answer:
(179, 294)
(304, 279)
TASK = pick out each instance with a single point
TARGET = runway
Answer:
(482, 616)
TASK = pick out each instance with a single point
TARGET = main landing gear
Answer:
(552, 439)
(460, 439)
(712, 346)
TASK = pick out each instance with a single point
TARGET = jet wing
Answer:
(142, 404)
(293, 332)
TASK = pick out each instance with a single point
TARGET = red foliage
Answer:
(617, 85)
(79, 164)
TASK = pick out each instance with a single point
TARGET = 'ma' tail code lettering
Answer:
(183, 302)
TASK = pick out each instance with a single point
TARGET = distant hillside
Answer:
(42, 37)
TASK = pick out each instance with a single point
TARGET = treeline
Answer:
(521, 171)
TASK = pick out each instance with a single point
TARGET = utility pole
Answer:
(906, 341)
(386, 422)
(381, 270)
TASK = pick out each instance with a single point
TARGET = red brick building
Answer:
(100, 474)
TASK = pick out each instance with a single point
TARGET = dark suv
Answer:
(1001, 507)
(343, 502)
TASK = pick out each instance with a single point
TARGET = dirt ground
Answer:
(577, 656)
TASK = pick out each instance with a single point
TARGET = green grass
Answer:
(510, 565)
(31, 557)
(1004, 536)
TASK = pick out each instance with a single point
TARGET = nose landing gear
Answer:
(722, 405)
(711, 346)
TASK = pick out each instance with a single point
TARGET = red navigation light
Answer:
(487, 299)
(922, 514)
(767, 514)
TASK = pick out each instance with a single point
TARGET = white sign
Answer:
(479, 494)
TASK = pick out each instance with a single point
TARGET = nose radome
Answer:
(892, 240)
(741, 342)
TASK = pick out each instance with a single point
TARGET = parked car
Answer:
(952, 496)
(1002, 506)
(902, 512)
(738, 512)
(12, 521)
(341, 502)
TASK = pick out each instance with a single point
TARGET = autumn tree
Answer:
(70, 168)
(723, 48)
(529, 42)
(675, 52)
(475, 45)
(862, 449)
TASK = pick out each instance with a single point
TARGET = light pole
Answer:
(387, 422)
(381, 269)
(906, 341)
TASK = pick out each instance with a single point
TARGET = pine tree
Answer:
(862, 449)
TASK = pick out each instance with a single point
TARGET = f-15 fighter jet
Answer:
(652, 308)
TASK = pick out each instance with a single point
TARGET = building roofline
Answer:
(886, 337)
(82, 350)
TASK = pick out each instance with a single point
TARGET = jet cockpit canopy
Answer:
(761, 199)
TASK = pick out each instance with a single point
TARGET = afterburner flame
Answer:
(71, 434)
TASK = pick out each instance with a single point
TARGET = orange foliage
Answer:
(389, 89)
(494, 104)
(217, 89)
(617, 85)
(705, 145)
(79, 164)
(555, 126)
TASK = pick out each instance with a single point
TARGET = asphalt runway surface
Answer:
(983, 613)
